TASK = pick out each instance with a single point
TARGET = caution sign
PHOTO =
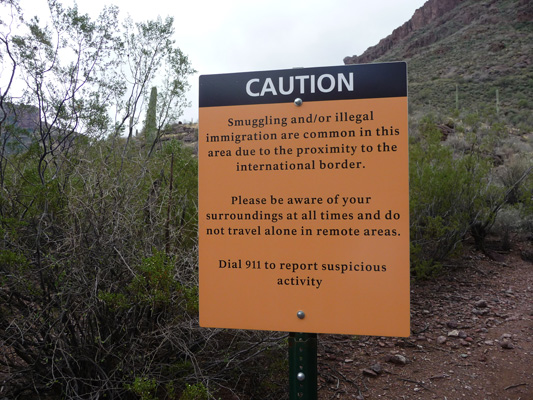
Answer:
(304, 200)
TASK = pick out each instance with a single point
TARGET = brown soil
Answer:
(472, 338)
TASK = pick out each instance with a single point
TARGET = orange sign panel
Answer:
(304, 209)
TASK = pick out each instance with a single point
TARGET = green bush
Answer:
(104, 255)
(106, 263)
(449, 194)
(144, 388)
(195, 392)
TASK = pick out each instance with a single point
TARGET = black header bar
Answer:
(365, 81)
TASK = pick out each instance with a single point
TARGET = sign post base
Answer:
(303, 366)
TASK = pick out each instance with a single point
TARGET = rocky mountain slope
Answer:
(471, 55)
(25, 119)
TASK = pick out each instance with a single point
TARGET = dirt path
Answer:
(472, 338)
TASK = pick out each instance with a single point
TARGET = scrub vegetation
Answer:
(98, 211)
(98, 221)
(463, 186)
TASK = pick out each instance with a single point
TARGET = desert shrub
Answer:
(85, 290)
(526, 203)
(515, 212)
(450, 195)
(144, 388)
(515, 178)
(507, 221)
(195, 392)
(99, 278)
(98, 227)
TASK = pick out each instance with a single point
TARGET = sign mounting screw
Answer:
(300, 314)
(298, 102)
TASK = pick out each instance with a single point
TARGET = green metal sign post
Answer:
(303, 366)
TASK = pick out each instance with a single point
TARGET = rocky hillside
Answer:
(430, 12)
(466, 54)
(187, 134)
(25, 119)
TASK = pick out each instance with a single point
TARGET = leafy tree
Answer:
(63, 65)
(147, 49)
(98, 250)
(64, 219)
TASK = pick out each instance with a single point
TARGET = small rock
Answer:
(462, 334)
(452, 324)
(377, 368)
(348, 360)
(464, 343)
(507, 345)
(369, 372)
(489, 342)
(480, 311)
(397, 359)
(442, 339)
(506, 336)
(454, 333)
(481, 304)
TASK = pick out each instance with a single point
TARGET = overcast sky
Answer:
(222, 36)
